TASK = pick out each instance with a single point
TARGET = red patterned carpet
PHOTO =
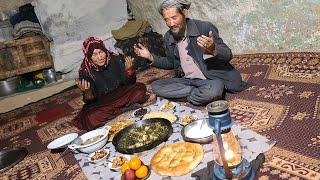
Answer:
(284, 105)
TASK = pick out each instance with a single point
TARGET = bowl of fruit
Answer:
(135, 169)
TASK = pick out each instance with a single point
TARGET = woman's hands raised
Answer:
(129, 65)
(128, 62)
(83, 85)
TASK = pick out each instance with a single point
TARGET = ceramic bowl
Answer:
(94, 146)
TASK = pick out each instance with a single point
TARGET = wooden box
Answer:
(24, 55)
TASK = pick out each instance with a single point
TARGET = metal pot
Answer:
(11, 157)
(9, 86)
(49, 75)
(147, 146)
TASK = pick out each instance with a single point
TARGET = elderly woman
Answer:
(108, 85)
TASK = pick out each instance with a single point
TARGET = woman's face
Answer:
(99, 57)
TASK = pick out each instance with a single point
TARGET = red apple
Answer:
(129, 174)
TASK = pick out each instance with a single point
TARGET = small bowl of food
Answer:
(187, 119)
(116, 162)
(140, 112)
(168, 106)
(98, 155)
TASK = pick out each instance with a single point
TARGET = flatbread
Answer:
(177, 159)
(165, 115)
(118, 126)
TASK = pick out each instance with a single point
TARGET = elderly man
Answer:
(198, 55)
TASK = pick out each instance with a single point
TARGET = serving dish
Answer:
(138, 137)
(92, 140)
(198, 132)
(99, 155)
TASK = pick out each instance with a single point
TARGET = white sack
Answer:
(68, 23)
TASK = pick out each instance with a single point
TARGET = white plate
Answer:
(62, 141)
(133, 113)
(162, 108)
(101, 159)
(118, 168)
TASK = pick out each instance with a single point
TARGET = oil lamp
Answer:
(229, 163)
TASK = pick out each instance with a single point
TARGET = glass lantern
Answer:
(229, 163)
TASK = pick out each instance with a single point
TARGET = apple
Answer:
(129, 174)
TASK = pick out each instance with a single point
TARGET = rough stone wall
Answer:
(7, 5)
(250, 26)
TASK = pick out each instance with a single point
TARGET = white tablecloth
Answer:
(252, 145)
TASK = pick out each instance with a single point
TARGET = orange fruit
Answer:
(124, 167)
(134, 163)
(142, 171)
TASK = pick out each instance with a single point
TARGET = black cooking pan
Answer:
(145, 147)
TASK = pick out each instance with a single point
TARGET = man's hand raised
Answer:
(207, 43)
(142, 51)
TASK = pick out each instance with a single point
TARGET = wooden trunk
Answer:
(24, 55)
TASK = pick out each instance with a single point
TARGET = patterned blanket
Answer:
(283, 105)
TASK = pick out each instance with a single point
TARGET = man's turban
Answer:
(180, 4)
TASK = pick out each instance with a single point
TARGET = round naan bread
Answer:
(165, 115)
(177, 159)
